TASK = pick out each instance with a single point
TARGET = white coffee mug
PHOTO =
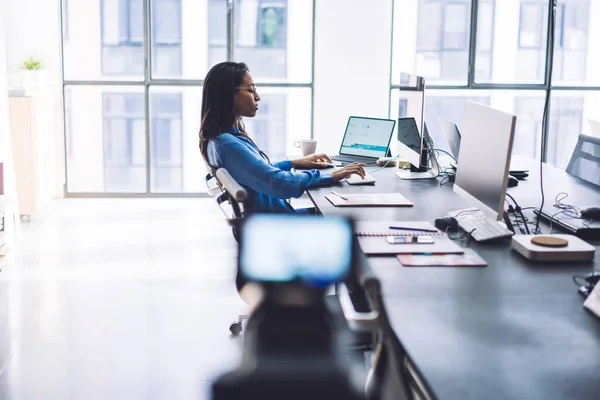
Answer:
(307, 147)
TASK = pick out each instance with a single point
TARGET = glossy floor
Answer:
(119, 299)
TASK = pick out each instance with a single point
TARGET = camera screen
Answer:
(281, 248)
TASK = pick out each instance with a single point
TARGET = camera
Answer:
(294, 344)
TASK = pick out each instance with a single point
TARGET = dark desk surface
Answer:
(514, 329)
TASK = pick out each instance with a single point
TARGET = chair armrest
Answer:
(235, 190)
(367, 321)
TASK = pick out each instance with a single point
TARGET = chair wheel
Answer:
(235, 328)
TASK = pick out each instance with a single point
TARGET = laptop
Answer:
(453, 135)
(365, 140)
(585, 229)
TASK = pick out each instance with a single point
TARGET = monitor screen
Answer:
(288, 248)
(408, 134)
(410, 118)
(452, 135)
(367, 137)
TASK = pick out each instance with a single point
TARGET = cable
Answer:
(384, 165)
(550, 66)
(519, 211)
(445, 152)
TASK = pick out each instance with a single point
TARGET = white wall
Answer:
(12, 225)
(33, 29)
(4, 135)
(352, 65)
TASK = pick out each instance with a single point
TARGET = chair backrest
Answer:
(585, 161)
(230, 197)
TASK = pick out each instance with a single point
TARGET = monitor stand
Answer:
(423, 172)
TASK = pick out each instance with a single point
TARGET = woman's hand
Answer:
(314, 161)
(354, 168)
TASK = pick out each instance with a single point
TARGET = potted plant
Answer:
(31, 67)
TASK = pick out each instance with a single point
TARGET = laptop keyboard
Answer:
(351, 159)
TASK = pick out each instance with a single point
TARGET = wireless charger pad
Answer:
(553, 248)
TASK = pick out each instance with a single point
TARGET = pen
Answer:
(339, 195)
(405, 228)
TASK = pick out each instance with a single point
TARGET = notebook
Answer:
(372, 238)
(369, 200)
(468, 259)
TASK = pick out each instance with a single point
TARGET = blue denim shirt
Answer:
(268, 185)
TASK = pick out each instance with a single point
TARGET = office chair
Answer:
(230, 197)
(585, 160)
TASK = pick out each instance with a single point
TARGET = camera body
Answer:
(295, 345)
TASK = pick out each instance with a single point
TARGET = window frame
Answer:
(148, 81)
(472, 84)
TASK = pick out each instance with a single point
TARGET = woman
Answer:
(229, 94)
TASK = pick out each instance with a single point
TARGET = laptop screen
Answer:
(367, 137)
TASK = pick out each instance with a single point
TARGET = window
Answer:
(531, 25)
(572, 27)
(272, 25)
(117, 143)
(125, 143)
(261, 38)
(570, 47)
(511, 41)
(433, 40)
(166, 38)
(122, 32)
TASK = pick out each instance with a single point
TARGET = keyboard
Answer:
(356, 179)
(351, 159)
(479, 226)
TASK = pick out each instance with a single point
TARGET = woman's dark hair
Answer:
(217, 103)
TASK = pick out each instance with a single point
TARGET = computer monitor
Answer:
(484, 157)
(413, 139)
(410, 140)
(452, 134)
(411, 105)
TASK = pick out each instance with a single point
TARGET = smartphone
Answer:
(410, 240)
(318, 253)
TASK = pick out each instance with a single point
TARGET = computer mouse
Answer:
(444, 223)
(512, 181)
(591, 213)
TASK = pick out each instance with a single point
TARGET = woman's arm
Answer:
(284, 165)
(250, 170)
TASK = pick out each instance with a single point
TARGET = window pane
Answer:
(175, 161)
(284, 117)
(456, 27)
(105, 139)
(104, 40)
(449, 104)
(431, 39)
(576, 43)
(265, 29)
(570, 113)
(176, 164)
(188, 37)
(430, 16)
(512, 49)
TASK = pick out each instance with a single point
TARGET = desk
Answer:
(512, 330)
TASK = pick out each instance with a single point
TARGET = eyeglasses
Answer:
(251, 88)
